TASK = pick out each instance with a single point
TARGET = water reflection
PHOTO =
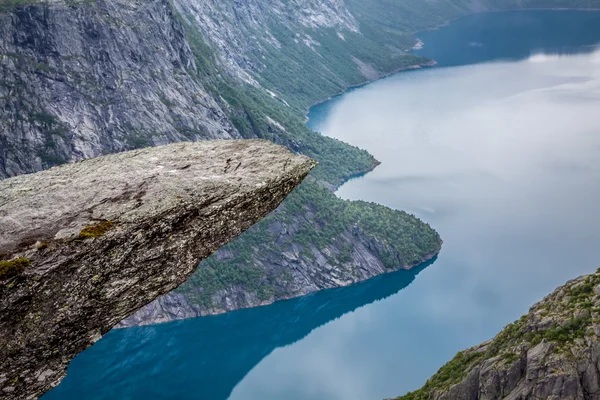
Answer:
(502, 158)
(498, 137)
(205, 358)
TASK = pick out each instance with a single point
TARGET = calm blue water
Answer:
(499, 151)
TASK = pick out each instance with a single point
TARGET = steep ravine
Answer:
(86, 244)
(553, 352)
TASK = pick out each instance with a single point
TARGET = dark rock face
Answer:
(106, 236)
(298, 275)
(96, 78)
(553, 352)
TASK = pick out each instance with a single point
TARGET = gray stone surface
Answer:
(169, 207)
(97, 78)
(241, 31)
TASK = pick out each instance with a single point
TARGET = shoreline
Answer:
(451, 20)
(425, 261)
(428, 64)
(432, 63)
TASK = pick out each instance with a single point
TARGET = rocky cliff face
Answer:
(298, 51)
(80, 80)
(288, 269)
(244, 32)
(86, 244)
(553, 352)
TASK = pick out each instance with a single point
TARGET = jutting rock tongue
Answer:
(84, 245)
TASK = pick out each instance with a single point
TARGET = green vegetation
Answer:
(252, 111)
(215, 275)
(320, 218)
(305, 75)
(509, 357)
(458, 368)
(96, 230)
(408, 238)
(54, 132)
(582, 293)
(451, 373)
(6, 5)
(137, 140)
(12, 268)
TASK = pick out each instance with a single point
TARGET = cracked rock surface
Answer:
(101, 238)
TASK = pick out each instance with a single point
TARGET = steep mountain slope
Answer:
(83, 80)
(301, 50)
(553, 352)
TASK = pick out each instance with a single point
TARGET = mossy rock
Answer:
(97, 230)
(11, 268)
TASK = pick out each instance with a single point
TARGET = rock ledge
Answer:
(84, 245)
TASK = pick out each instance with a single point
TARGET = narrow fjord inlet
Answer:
(493, 147)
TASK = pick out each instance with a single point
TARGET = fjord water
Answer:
(498, 148)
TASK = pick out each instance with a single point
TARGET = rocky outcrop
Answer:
(85, 245)
(82, 78)
(553, 352)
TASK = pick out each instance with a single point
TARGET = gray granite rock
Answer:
(103, 237)
(88, 78)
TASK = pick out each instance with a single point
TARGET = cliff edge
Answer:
(553, 352)
(84, 245)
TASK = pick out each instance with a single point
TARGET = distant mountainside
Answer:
(553, 352)
(84, 78)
